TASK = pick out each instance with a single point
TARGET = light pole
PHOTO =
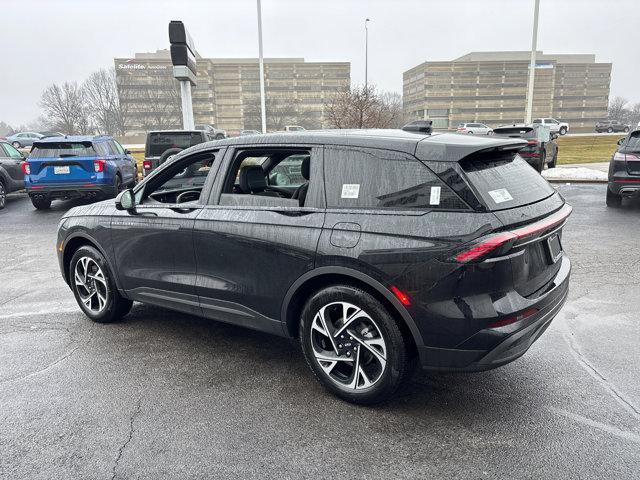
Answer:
(366, 54)
(532, 64)
(262, 107)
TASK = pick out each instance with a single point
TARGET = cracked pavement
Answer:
(167, 395)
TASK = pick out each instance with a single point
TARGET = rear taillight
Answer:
(98, 165)
(146, 164)
(26, 168)
(485, 245)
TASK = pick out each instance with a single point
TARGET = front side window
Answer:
(181, 182)
(268, 177)
(537, 120)
(384, 179)
(12, 152)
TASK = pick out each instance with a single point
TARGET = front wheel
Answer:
(563, 130)
(626, 129)
(94, 288)
(16, 144)
(3, 195)
(609, 130)
(353, 345)
(219, 136)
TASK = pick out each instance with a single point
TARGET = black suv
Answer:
(389, 248)
(163, 144)
(611, 126)
(11, 171)
(624, 170)
(536, 153)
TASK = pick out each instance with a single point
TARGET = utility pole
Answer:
(532, 64)
(366, 54)
(262, 102)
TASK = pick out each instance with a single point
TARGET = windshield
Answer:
(160, 142)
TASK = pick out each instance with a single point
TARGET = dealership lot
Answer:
(167, 394)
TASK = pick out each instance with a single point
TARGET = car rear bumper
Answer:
(71, 190)
(627, 187)
(513, 340)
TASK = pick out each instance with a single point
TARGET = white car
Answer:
(554, 125)
(478, 128)
(294, 128)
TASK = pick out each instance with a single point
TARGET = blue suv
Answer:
(77, 166)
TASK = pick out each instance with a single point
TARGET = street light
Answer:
(261, 60)
(366, 53)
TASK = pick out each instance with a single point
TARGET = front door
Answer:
(153, 246)
(259, 234)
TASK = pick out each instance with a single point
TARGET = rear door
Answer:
(12, 162)
(252, 245)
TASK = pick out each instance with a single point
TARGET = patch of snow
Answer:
(580, 173)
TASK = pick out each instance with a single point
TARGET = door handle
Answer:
(182, 209)
(295, 213)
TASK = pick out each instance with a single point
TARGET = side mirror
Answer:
(126, 200)
(620, 142)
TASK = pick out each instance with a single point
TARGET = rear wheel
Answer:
(353, 345)
(554, 162)
(117, 185)
(609, 130)
(41, 203)
(16, 144)
(3, 194)
(94, 288)
(613, 200)
(626, 129)
(469, 132)
(563, 130)
(219, 136)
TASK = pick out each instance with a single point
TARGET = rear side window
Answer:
(160, 142)
(633, 144)
(505, 180)
(62, 149)
(374, 178)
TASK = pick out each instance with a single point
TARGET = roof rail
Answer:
(419, 126)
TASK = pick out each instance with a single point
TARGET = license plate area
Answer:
(61, 169)
(554, 248)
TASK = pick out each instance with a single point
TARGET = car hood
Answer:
(105, 207)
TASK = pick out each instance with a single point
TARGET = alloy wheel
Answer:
(348, 345)
(91, 285)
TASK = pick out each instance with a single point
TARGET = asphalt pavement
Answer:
(167, 395)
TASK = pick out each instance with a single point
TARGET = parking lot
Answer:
(167, 394)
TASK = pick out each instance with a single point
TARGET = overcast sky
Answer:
(50, 41)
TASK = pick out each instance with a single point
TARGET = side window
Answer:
(373, 178)
(268, 177)
(101, 148)
(12, 152)
(537, 120)
(117, 147)
(181, 182)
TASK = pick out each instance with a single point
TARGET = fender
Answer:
(355, 274)
(86, 236)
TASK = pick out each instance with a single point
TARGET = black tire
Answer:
(3, 194)
(117, 185)
(219, 136)
(609, 130)
(469, 132)
(41, 203)
(626, 129)
(554, 162)
(543, 160)
(169, 153)
(399, 361)
(563, 130)
(613, 200)
(17, 144)
(115, 306)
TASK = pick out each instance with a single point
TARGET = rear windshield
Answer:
(505, 181)
(633, 144)
(62, 149)
(158, 143)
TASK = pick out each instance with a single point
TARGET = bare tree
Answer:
(66, 109)
(107, 112)
(280, 111)
(157, 106)
(617, 107)
(360, 107)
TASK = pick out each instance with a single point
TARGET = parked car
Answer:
(23, 139)
(611, 126)
(554, 125)
(244, 133)
(11, 176)
(215, 133)
(163, 144)
(477, 128)
(384, 253)
(51, 134)
(294, 128)
(77, 166)
(624, 170)
(536, 153)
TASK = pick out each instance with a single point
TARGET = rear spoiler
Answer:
(512, 131)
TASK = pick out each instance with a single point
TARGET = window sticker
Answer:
(501, 195)
(350, 190)
(434, 199)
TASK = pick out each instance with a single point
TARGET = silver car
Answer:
(477, 128)
(23, 139)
